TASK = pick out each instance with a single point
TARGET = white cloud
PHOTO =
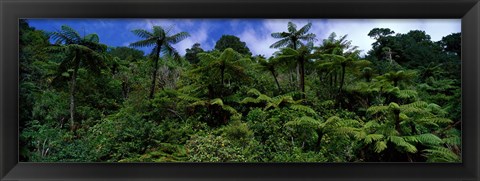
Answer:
(258, 38)
(198, 36)
(357, 30)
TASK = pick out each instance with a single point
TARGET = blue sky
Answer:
(255, 32)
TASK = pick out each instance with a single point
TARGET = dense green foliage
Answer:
(310, 102)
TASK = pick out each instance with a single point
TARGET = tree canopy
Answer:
(81, 101)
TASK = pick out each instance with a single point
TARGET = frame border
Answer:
(11, 11)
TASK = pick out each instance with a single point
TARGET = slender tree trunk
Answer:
(331, 79)
(154, 76)
(276, 81)
(414, 128)
(222, 73)
(72, 95)
(299, 79)
(302, 77)
(342, 79)
(319, 139)
(211, 93)
(292, 77)
(335, 83)
(397, 123)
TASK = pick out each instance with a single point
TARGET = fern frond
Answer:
(249, 100)
(230, 109)
(304, 122)
(372, 110)
(441, 154)
(455, 140)
(264, 97)
(399, 141)
(438, 120)
(360, 135)
(380, 146)
(346, 131)
(417, 104)
(254, 91)
(373, 137)
(429, 139)
(412, 139)
(216, 101)
(371, 124)
(198, 103)
(188, 98)
(406, 94)
(303, 108)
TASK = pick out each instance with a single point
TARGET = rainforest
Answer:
(313, 100)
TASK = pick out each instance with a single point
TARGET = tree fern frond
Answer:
(373, 137)
(188, 98)
(292, 27)
(142, 33)
(346, 131)
(372, 110)
(199, 103)
(441, 154)
(216, 101)
(144, 43)
(417, 104)
(303, 108)
(178, 37)
(380, 146)
(455, 140)
(437, 120)
(429, 139)
(399, 141)
(360, 135)
(412, 139)
(304, 29)
(304, 122)
(229, 109)
(249, 100)
(279, 35)
(280, 43)
(254, 91)
(406, 94)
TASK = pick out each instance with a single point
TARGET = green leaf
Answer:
(380, 146)
(373, 137)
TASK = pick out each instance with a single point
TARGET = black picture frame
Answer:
(11, 11)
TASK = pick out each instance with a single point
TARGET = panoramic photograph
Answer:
(240, 90)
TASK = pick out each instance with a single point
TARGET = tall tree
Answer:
(452, 43)
(161, 40)
(271, 66)
(191, 53)
(339, 53)
(233, 42)
(80, 51)
(293, 39)
(300, 56)
(217, 68)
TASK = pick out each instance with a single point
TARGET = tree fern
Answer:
(429, 139)
(399, 141)
(373, 137)
(380, 146)
(303, 108)
(441, 154)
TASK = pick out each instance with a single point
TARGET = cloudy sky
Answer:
(255, 32)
